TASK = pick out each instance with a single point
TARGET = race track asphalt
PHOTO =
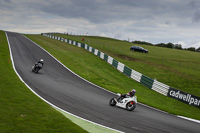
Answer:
(62, 88)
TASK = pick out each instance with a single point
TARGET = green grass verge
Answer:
(21, 111)
(96, 70)
(92, 128)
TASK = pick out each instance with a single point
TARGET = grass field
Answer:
(21, 111)
(179, 69)
(101, 73)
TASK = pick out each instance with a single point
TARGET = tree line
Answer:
(168, 45)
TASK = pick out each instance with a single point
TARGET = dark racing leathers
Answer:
(129, 94)
(38, 65)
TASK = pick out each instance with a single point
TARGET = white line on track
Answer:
(197, 121)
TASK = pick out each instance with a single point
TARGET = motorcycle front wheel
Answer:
(32, 68)
(130, 106)
(36, 70)
(112, 102)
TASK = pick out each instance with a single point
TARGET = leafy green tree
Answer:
(170, 45)
(191, 49)
(161, 45)
(142, 42)
(178, 46)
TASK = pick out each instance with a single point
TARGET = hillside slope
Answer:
(177, 68)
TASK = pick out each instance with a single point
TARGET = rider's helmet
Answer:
(133, 90)
(41, 60)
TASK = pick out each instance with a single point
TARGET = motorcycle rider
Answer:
(40, 63)
(129, 94)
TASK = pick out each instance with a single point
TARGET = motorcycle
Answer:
(36, 67)
(127, 103)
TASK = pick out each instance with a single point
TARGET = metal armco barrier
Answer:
(127, 71)
(160, 87)
(144, 80)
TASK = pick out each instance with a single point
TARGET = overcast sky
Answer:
(154, 21)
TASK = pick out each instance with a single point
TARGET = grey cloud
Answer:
(168, 22)
(148, 20)
(196, 17)
(106, 11)
(8, 1)
(195, 7)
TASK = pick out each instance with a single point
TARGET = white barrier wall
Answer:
(160, 87)
(120, 67)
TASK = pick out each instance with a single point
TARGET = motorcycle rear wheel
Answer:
(112, 102)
